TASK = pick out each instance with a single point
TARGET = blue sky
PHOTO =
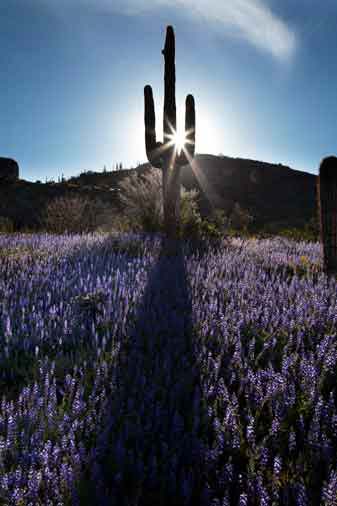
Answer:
(263, 74)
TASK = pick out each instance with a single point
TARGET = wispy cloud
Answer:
(251, 20)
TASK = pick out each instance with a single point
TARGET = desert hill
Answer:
(272, 193)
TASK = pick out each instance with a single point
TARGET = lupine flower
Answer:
(117, 374)
(330, 490)
(292, 441)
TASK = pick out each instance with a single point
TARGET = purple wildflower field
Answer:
(129, 377)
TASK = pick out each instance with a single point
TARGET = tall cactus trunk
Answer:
(164, 155)
(171, 193)
(171, 170)
(327, 204)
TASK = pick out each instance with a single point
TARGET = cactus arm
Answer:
(170, 118)
(153, 148)
(187, 153)
(190, 126)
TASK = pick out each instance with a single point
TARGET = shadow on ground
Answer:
(152, 451)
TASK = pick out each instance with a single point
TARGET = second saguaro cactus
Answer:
(327, 204)
(164, 155)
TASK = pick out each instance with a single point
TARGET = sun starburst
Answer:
(179, 140)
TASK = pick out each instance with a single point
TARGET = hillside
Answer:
(273, 193)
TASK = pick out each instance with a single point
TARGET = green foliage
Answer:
(309, 233)
(141, 199)
(240, 219)
(6, 225)
(190, 219)
(75, 214)
(119, 223)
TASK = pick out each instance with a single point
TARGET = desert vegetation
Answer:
(133, 376)
(133, 373)
(74, 214)
(128, 376)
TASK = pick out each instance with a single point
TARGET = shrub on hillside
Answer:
(191, 221)
(6, 225)
(142, 201)
(308, 232)
(240, 219)
(75, 214)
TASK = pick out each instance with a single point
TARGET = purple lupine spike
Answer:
(243, 500)
(329, 494)
(292, 441)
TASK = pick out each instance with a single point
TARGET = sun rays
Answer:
(178, 139)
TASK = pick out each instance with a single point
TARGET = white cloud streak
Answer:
(251, 20)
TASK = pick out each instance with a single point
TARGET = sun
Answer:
(179, 139)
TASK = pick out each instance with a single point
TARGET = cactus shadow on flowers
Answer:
(152, 451)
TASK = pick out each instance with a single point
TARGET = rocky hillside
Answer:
(273, 194)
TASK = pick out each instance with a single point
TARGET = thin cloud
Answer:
(251, 20)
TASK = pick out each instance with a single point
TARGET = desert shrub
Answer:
(308, 232)
(6, 225)
(65, 214)
(219, 221)
(142, 202)
(201, 231)
(312, 229)
(141, 197)
(103, 217)
(299, 234)
(190, 219)
(75, 214)
(240, 218)
(118, 223)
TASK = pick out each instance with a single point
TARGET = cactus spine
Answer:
(164, 155)
(327, 204)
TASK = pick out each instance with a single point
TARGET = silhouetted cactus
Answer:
(164, 155)
(327, 202)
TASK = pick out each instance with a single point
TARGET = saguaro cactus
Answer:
(164, 155)
(327, 202)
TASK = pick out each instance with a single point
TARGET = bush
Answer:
(220, 220)
(299, 234)
(75, 214)
(142, 201)
(6, 225)
(141, 197)
(308, 232)
(190, 219)
(240, 218)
